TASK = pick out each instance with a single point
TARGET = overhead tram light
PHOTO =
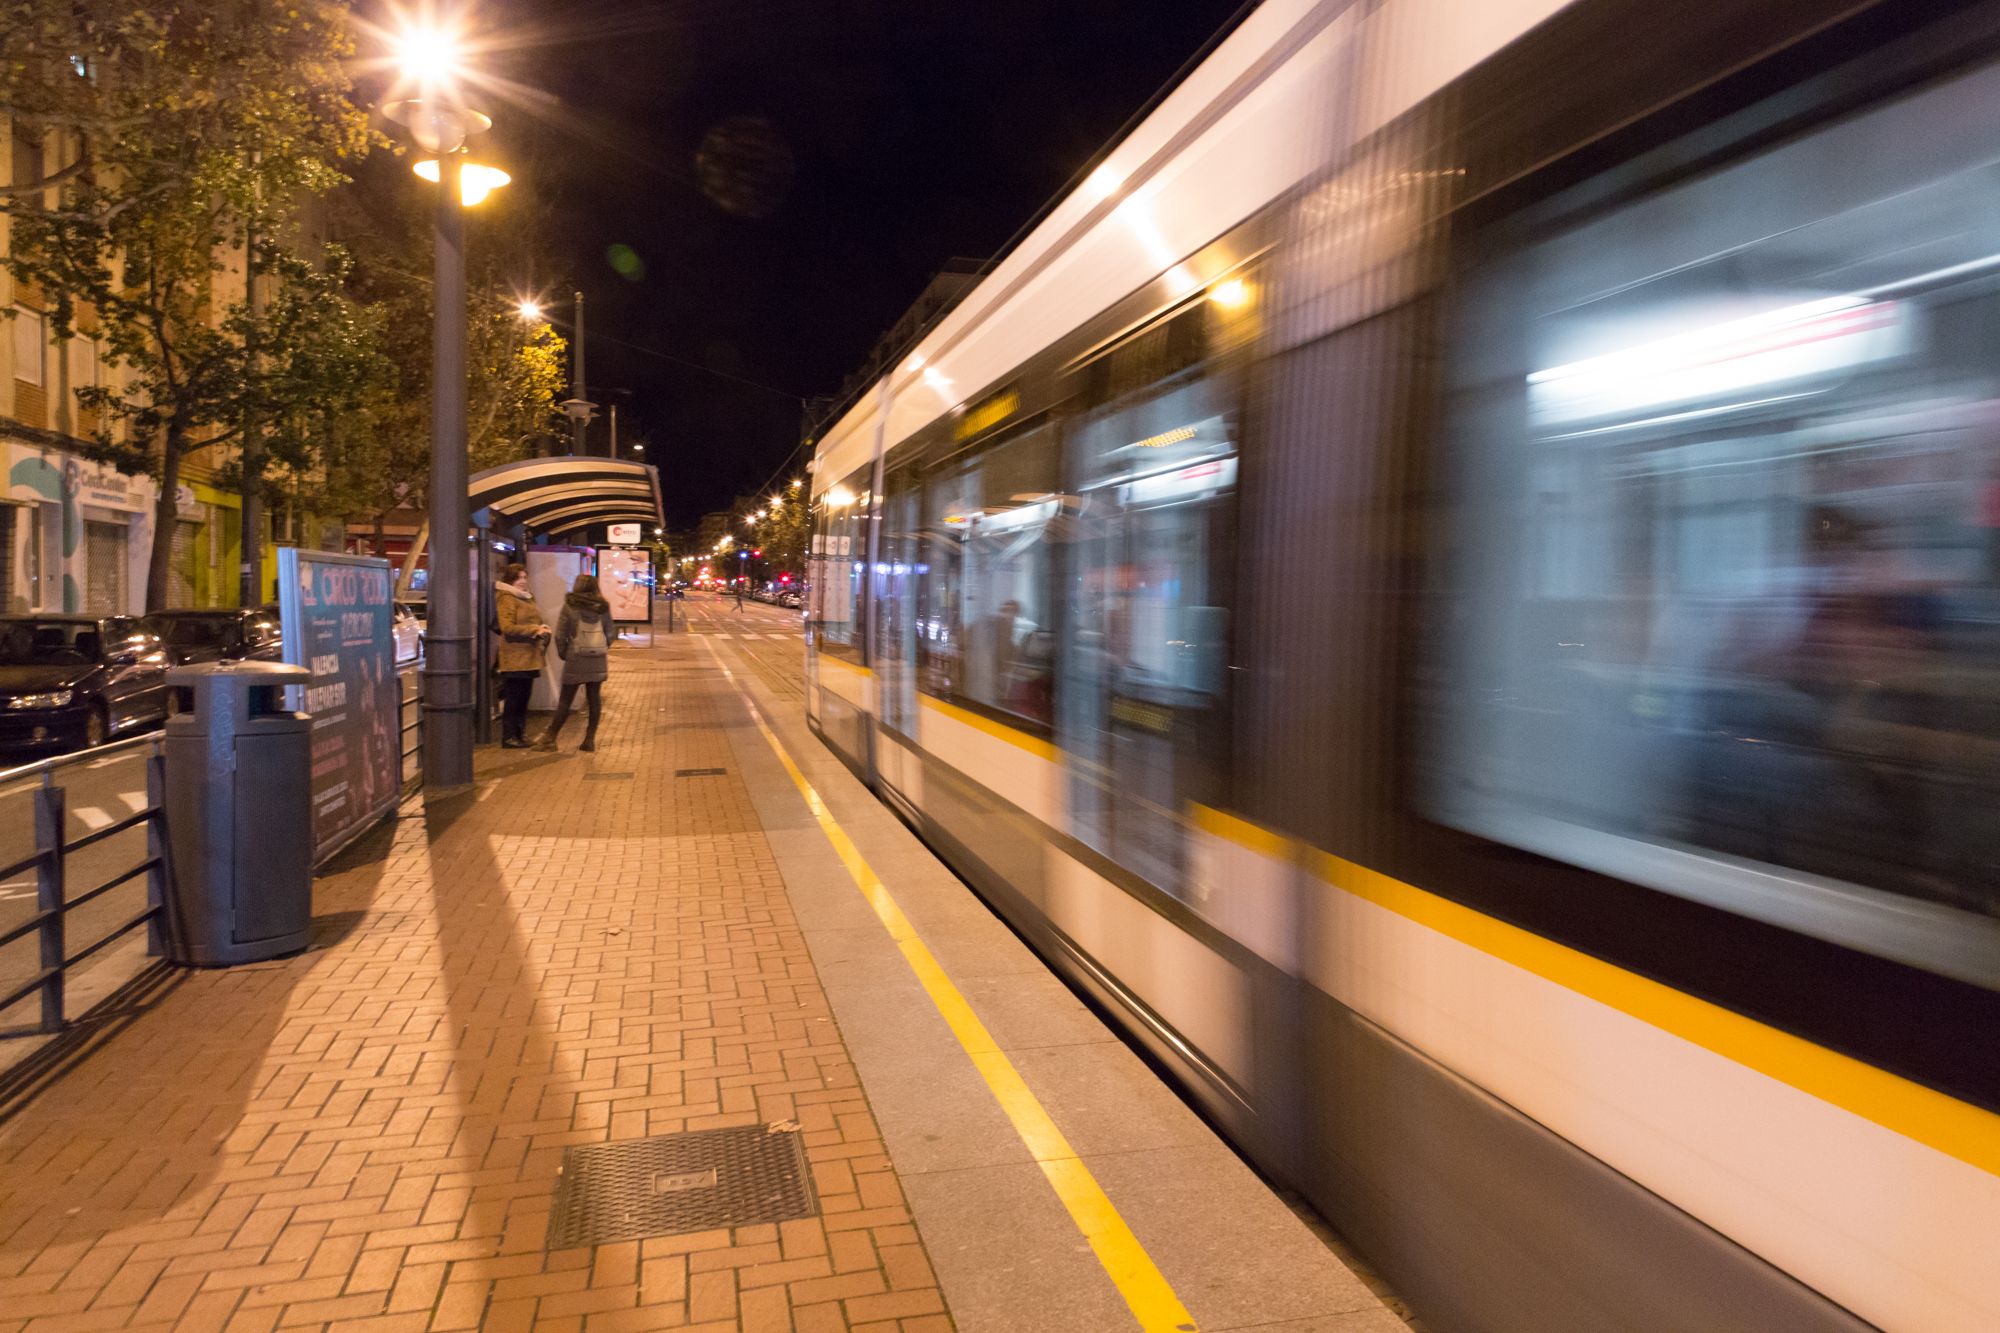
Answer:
(1230, 294)
(1797, 342)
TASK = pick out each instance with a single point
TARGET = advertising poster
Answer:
(625, 577)
(336, 613)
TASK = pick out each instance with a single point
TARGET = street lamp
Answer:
(440, 122)
(529, 310)
(580, 409)
(475, 181)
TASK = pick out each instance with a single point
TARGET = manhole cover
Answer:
(677, 1183)
(699, 772)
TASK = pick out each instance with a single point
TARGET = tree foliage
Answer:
(178, 136)
(783, 534)
(516, 372)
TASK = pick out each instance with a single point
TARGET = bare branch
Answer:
(70, 172)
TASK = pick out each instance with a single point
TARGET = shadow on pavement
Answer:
(22, 1079)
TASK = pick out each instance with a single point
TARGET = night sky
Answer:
(786, 175)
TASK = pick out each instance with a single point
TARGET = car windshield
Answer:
(198, 631)
(25, 642)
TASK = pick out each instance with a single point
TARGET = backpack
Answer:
(589, 640)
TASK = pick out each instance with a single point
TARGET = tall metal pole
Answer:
(579, 390)
(250, 572)
(483, 609)
(614, 430)
(448, 636)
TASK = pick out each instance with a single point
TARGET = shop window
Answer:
(45, 559)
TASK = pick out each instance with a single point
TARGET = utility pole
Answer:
(580, 390)
(448, 636)
(614, 430)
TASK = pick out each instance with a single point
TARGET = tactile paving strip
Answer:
(678, 1183)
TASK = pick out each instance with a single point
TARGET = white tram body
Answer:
(1551, 1055)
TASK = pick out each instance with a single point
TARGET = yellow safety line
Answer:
(1955, 1128)
(1145, 1289)
(828, 659)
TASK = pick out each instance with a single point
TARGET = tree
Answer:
(178, 131)
(784, 532)
(517, 378)
(515, 370)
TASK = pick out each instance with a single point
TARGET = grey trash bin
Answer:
(239, 812)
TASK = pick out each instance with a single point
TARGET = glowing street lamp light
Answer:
(429, 57)
(430, 60)
(529, 311)
(475, 182)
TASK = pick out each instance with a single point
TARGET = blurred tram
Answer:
(1453, 584)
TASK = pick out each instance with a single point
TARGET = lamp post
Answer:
(580, 408)
(440, 122)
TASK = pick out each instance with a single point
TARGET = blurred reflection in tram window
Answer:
(1730, 496)
(988, 583)
(1152, 467)
(837, 564)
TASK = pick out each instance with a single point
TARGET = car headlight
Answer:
(52, 699)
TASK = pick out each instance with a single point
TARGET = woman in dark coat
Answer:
(583, 640)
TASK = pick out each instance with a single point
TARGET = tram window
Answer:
(1143, 723)
(1731, 534)
(839, 561)
(986, 634)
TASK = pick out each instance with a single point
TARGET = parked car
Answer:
(226, 635)
(78, 680)
(408, 629)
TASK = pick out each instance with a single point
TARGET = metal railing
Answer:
(410, 718)
(50, 862)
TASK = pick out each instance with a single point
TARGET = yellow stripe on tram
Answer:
(1138, 1279)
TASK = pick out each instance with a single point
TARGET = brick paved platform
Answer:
(587, 948)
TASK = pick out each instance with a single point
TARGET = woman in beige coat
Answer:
(524, 641)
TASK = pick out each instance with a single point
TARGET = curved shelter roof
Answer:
(557, 495)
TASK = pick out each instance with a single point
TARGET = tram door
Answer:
(895, 579)
(1144, 699)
